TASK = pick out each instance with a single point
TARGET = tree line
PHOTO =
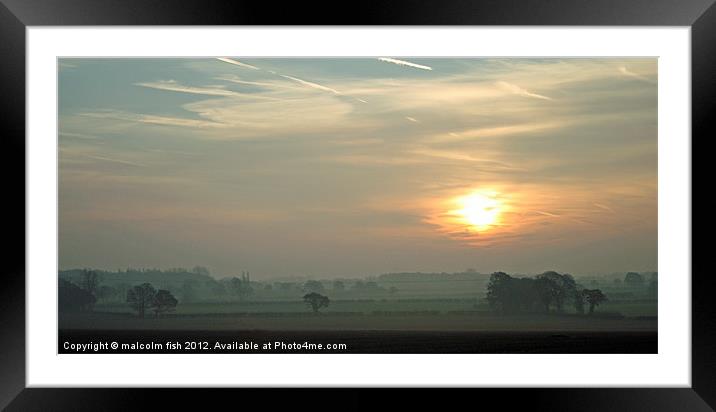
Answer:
(141, 298)
(547, 292)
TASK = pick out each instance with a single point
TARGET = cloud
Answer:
(605, 207)
(64, 65)
(496, 131)
(151, 119)
(237, 63)
(77, 135)
(266, 84)
(109, 159)
(173, 86)
(465, 157)
(623, 70)
(412, 119)
(513, 88)
(404, 63)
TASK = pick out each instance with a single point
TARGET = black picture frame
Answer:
(15, 15)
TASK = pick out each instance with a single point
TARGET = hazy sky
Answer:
(349, 167)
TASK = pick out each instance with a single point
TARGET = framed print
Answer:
(421, 197)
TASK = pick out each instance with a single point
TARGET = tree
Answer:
(392, 290)
(200, 270)
(188, 291)
(559, 288)
(498, 290)
(72, 298)
(141, 297)
(594, 297)
(339, 286)
(548, 291)
(579, 302)
(218, 289)
(106, 292)
(90, 281)
(313, 286)
(653, 290)
(163, 301)
(241, 287)
(316, 301)
(633, 279)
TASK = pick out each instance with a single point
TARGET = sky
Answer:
(325, 167)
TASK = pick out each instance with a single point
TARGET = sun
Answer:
(479, 210)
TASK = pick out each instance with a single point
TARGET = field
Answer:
(369, 306)
(400, 316)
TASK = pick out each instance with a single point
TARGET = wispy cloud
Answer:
(404, 63)
(77, 135)
(623, 70)
(499, 131)
(237, 63)
(515, 89)
(173, 86)
(151, 119)
(112, 160)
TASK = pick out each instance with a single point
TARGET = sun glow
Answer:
(479, 210)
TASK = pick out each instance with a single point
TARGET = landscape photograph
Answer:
(237, 204)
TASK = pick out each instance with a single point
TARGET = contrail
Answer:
(404, 63)
(311, 84)
(513, 88)
(605, 207)
(236, 62)
(546, 213)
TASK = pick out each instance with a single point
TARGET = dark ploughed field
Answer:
(357, 341)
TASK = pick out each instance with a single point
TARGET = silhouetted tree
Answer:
(200, 270)
(316, 301)
(557, 288)
(106, 292)
(498, 291)
(653, 290)
(163, 301)
(579, 302)
(241, 287)
(633, 279)
(71, 298)
(547, 291)
(507, 294)
(90, 281)
(141, 297)
(218, 289)
(594, 297)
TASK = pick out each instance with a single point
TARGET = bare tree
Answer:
(141, 297)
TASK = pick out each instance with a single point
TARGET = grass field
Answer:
(380, 326)
(627, 308)
(348, 321)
